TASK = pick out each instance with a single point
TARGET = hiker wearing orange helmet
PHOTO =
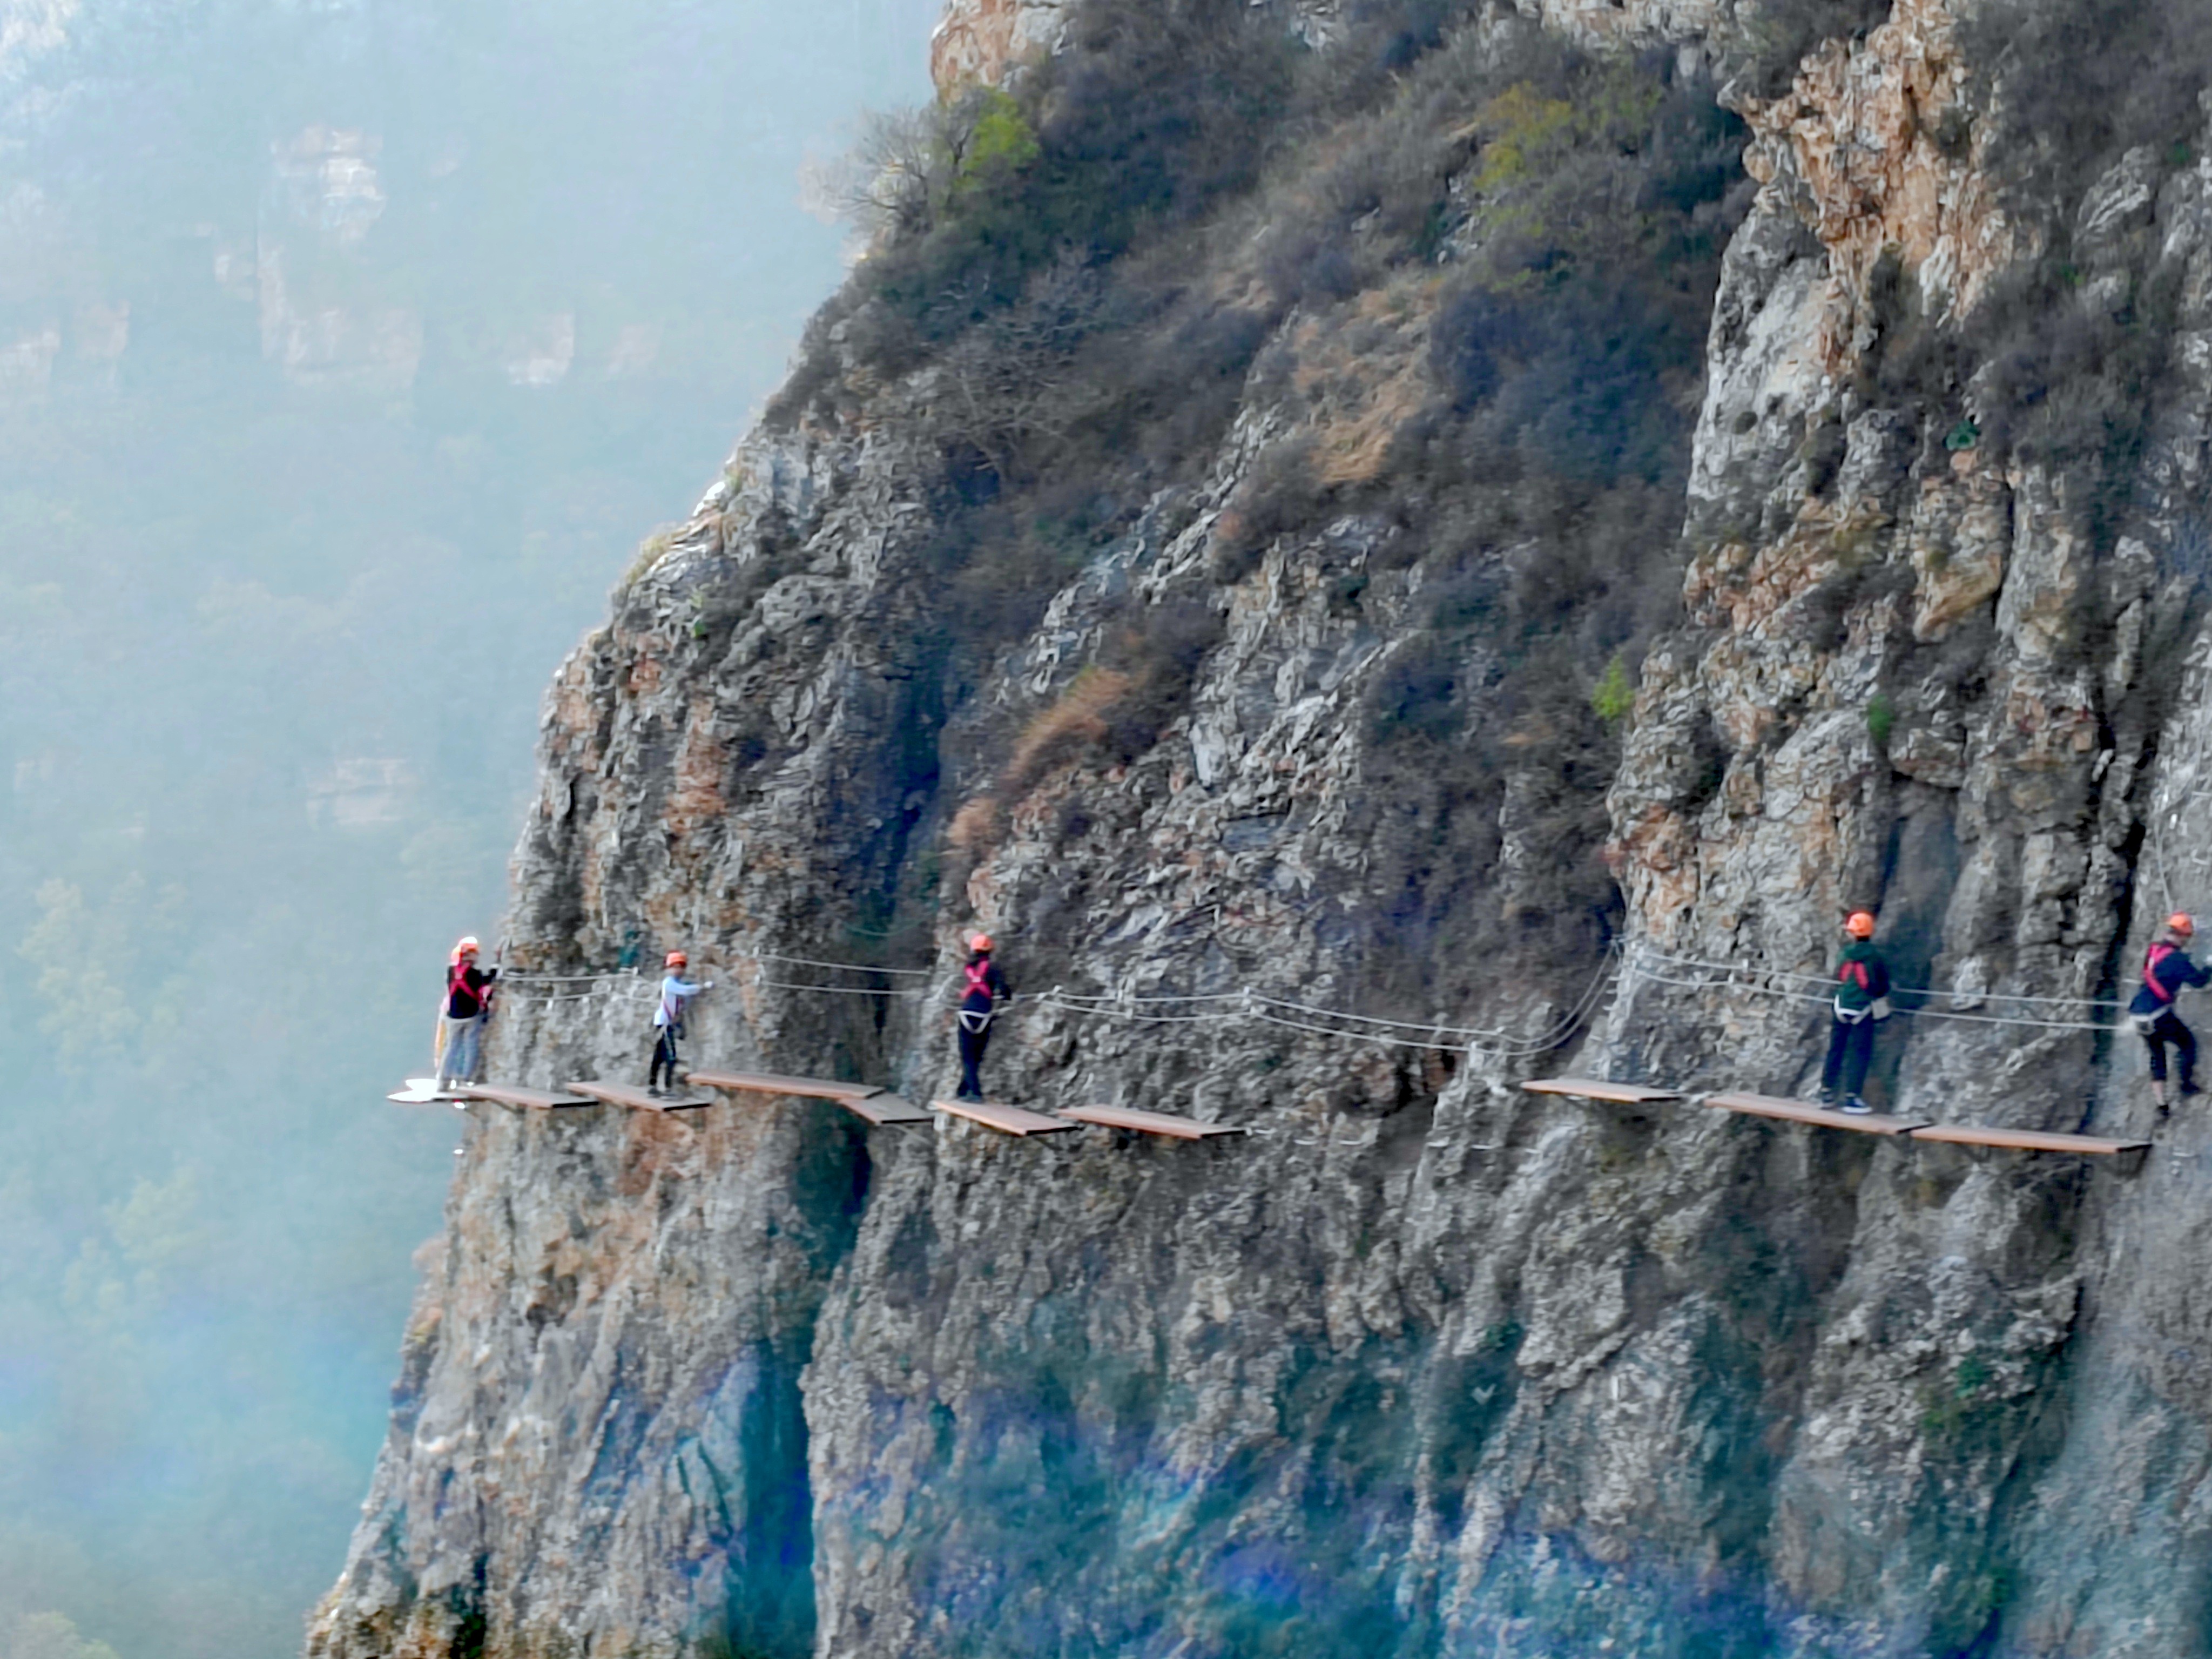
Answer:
(1862, 1000)
(983, 987)
(676, 994)
(468, 999)
(2167, 972)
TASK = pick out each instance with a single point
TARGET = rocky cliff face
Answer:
(1424, 1365)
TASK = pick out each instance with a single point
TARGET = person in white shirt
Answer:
(676, 994)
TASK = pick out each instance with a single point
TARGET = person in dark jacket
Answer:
(468, 998)
(1862, 999)
(983, 987)
(2167, 972)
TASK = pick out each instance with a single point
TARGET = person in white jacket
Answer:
(676, 994)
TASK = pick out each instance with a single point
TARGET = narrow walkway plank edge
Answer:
(1006, 1120)
(1584, 1088)
(636, 1100)
(1151, 1123)
(1805, 1111)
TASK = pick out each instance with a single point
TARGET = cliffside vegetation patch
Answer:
(2095, 104)
(1460, 271)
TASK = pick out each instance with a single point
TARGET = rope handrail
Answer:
(1248, 1004)
(1253, 1006)
(1646, 974)
(848, 966)
(1652, 953)
(1249, 998)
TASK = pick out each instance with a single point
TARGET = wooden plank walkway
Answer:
(622, 1094)
(510, 1094)
(864, 1100)
(1805, 1111)
(1627, 1094)
(770, 1083)
(2028, 1140)
(883, 1107)
(1007, 1120)
(1150, 1123)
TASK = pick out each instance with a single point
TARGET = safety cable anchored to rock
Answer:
(1246, 1006)
(1738, 977)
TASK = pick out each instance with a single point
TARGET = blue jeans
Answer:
(464, 1044)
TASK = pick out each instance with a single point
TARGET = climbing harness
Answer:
(977, 1021)
(457, 979)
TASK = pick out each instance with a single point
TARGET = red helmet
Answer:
(1859, 924)
(677, 959)
(2181, 922)
(980, 943)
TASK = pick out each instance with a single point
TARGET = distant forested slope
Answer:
(344, 353)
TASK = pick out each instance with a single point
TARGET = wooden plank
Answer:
(1584, 1088)
(878, 1106)
(1007, 1120)
(1805, 1111)
(768, 1083)
(883, 1107)
(622, 1094)
(511, 1094)
(1148, 1123)
(2027, 1141)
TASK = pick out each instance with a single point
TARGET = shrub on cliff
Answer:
(1578, 328)
(1150, 111)
(2094, 105)
(1780, 35)
(2075, 84)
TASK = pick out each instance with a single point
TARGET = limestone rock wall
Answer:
(1424, 1365)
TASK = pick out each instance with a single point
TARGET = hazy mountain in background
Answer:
(344, 347)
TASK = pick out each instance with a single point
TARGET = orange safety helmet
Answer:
(2181, 922)
(677, 959)
(467, 947)
(1859, 924)
(980, 943)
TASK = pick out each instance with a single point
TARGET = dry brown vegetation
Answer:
(1062, 729)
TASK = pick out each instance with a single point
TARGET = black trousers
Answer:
(664, 1057)
(972, 1044)
(1851, 1050)
(2169, 1029)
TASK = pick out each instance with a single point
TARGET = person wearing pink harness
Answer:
(984, 988)
(2167, 972)
(468, 999)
